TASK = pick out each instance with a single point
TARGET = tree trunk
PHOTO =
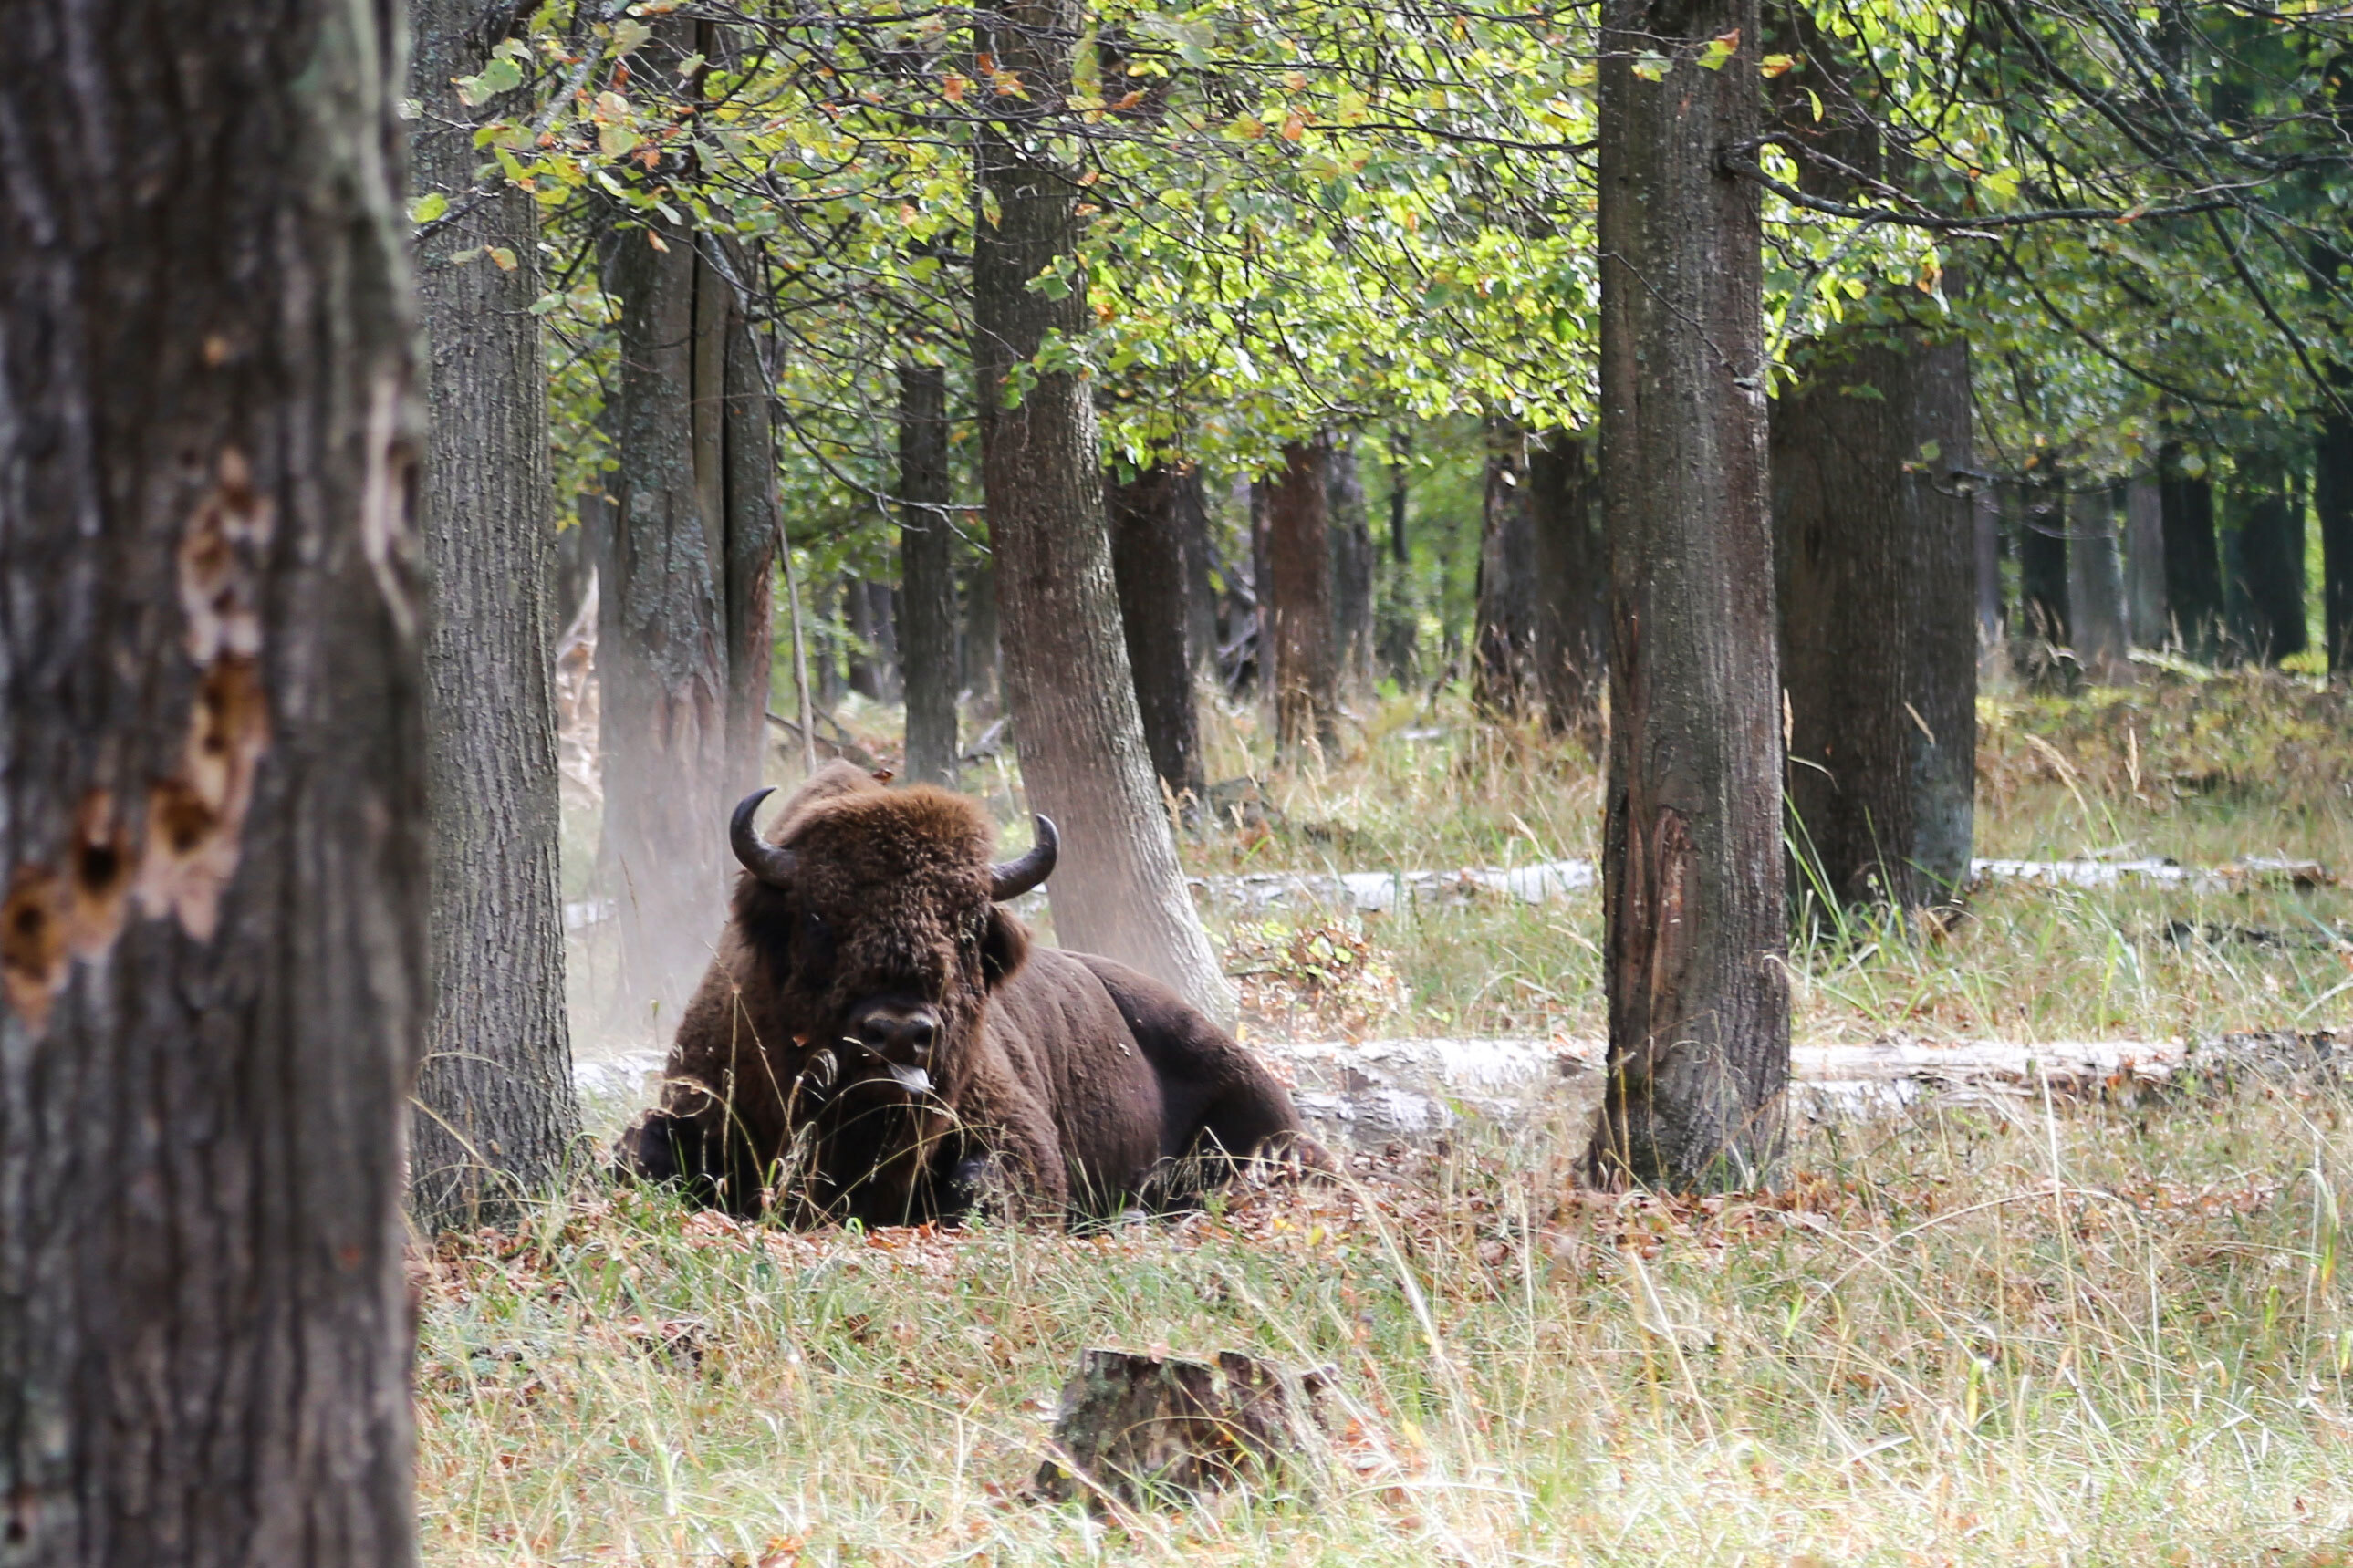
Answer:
(983, 660)
(1147, 558)
(1119, 891)
(2042, 561)
(1875, 546)
(869, 615)
(927, 623)
(1351, 540)
(2332, 501)
(2144, 562)
(2193, 568)
(496, 1113)
(1297, 599)
(2271, 559)
(1572, 587)
(1261, 679)
(1400, 611)
(1699, 1001)
(1503, 661)
(2095, 590)
(1201, 573)
(1985, 515)
(213, 949)
(683, 644)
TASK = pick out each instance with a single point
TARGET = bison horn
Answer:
(766, 861)
(1011, 878)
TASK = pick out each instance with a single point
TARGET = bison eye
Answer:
(816, 937)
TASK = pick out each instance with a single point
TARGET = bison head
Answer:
(876, 914)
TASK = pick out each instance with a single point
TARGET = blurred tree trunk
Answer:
(215, 963)
(2144, 561)
(1503, 660)
(2042, 559)
(2095, 589)
(1261, 679)
(1572, 586)
(927, 617)
(869, 613)
(1699, 1000)
(1874, 549)
(1401, 609)
(1350, 540)
(2332, 501)
(1984, 514)
(1874, 557)
(1298, 598)
(2270, 558)
(684, 647)
(2193, 567)
(1147, 558)
(497, 1115)
(1119, 891)
(1201, 573)
(981, 657)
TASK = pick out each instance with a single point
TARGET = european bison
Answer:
(876, 1039)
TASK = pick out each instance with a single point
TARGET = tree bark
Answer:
(1148, 557)
(869, 615)
(2043, 560)
(497, 1116)
(1201, 573)
(1119, 891)
(2144, 561)
(2095, 590)
(1699, 1001)
(1504, 662)
(1351, 538)
(1875, 545)
(2193, 568)
(983, 658)
(2271, 559)
(213, 946)
(2332, 502)
(1298, 598)
(1400, 611)
(927, 618)
(1985, 512)
(683, 642)
(1572, 586)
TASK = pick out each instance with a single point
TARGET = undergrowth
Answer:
(2026, 1334)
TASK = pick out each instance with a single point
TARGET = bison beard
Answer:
(875, 1041)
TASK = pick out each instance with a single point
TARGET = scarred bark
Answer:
(1504, 663)
(497, 1115)
(1699, 1002)
(1118, 890)
(213, 951)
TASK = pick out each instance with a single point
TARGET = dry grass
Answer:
(2022, 1333)
(2109, 1335)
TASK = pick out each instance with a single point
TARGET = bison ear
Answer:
(1003, 947)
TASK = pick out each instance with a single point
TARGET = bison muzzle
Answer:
(877, 1040)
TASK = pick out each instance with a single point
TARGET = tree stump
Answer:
(1140, 1429)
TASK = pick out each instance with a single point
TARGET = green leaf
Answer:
(628, 36)
(502, 75)
(1651, 65)
(1719, 49)
(428, 207)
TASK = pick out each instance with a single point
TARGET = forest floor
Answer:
(2021, 1331)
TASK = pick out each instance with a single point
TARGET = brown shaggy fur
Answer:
(1071, 1084)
